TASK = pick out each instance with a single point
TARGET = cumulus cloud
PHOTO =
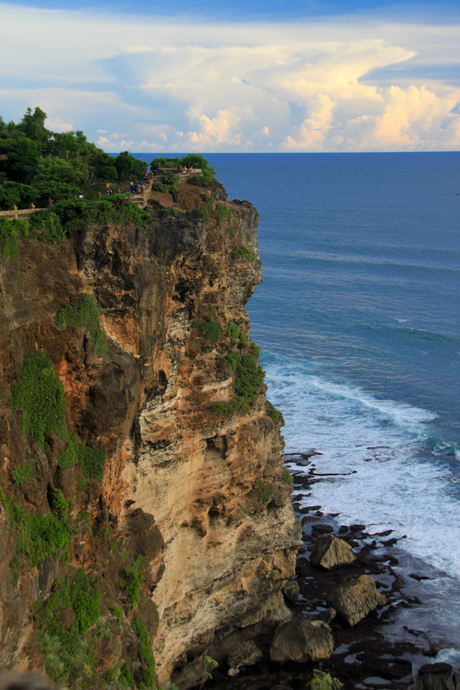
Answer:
(310, 86)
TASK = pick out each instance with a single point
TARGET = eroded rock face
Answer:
(354, 600)
(301, 641)
(330, 552)
(199, 496)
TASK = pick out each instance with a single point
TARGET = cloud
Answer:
(353, 84)
(312, 133)
(56, 125)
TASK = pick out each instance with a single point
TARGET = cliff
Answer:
(145, 515)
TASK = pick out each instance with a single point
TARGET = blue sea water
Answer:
(358, 318)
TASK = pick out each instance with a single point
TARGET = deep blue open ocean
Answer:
(358, 318)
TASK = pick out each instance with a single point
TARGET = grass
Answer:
(85, 311)
(244, 252)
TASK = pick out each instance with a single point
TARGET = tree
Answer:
(33, 125)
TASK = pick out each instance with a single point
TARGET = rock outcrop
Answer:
(300, 640)
(330, 551)
(158, 470)
(354, 600)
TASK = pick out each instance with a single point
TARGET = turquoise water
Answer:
(358, 318)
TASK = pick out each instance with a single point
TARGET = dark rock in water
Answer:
(354, 600)
(436, 677)
(390, 542)
(328, 616)
(307, 519)
(419, 578)
(343, 529)
(330, 552)
(310, 508)
(301, 641)
(357, 528)
(322, 529)
(291, 590)
(245, 654)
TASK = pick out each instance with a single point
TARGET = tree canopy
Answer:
(37, 164)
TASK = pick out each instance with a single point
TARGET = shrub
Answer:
(222, 212)
(168, 183)
(84, 311)
(248, 380)
(264, 490)
(42, 225)
(133, 581)
(91, 460)
(40, 395)
(204, 212)
(243, 251)
(233, 332)
(22, 473)
(286, 476)
(324, 681)
(69, 657)
(275, 414)
(145, 648)
(117, 613)
(210, 329)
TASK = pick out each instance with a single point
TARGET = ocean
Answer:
(358, 318)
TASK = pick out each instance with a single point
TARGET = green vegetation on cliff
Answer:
(85, 311)
(191, 160)
(37, 164)
(249, 375)
(39, 395)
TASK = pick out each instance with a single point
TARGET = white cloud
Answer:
(323, 85)
(56, 125)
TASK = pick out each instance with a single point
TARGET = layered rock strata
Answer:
(187, 532)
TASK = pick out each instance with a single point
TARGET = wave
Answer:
(397, 476)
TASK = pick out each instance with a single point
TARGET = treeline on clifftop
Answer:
(37, 164)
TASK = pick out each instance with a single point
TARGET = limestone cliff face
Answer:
(202, 498)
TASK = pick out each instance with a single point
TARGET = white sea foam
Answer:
(392, 480)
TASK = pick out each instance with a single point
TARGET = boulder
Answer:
(354, 600)
(301, 641)
(329, 552)
(291, 590)
(245, 654)
(435, 677)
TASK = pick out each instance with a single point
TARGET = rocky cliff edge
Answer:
(145, 515)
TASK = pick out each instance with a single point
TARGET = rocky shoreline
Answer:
(363, 656)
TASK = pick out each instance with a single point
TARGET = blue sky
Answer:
(237, 76)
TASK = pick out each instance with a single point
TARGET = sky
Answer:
(237, 76)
